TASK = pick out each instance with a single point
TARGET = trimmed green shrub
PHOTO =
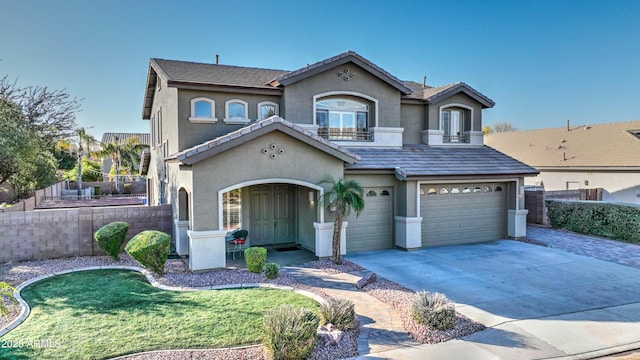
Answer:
(271, 270)
(111, 237)
(7, 295)
(150, 248)
(610, 220)
(433, 309)
(289, 332)
(339, 312)
(255, 257)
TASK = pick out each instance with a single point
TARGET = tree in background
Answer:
(33, 120)
(125, 154)
(91, 171)
(504, 126)
(344, 197)
(487, 130)
(79, 145)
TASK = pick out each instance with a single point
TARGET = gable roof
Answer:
(143, 138)
(436, 94)
(424, 160)
(595, 146)
(346, 57)
(257, 129)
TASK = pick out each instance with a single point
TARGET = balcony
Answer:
(455, 139)
(345, 134)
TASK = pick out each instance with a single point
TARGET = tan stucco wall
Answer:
(298, 97)
(247, 162)
(192, 134)
(460, 98)
(618, 186)
(413, 122)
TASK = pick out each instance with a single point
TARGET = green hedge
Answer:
(150, 248)
(614, 221)
(111, 237)
(255, 258)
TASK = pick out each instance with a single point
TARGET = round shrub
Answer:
(289, 332)
(150, 248)
(271, 271)
(339, 312)
(111, 237)
(255, 257)
(433, 309)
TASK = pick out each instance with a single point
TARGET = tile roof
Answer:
(259, 128)
(593, 146)
(143, 138)
(214, 74)
(425, 160)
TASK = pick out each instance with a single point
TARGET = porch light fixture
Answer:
(311, 197)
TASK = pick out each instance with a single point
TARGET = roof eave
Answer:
(466, 89)
(191, 85)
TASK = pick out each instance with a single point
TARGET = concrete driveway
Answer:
(537, 302)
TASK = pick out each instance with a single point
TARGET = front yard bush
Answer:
(614, 221)
(255, 257)
(433, 309)
(271, 271)
(290, 332)
(111, 237)
(150, 248)
(7, 298)
(339, 312)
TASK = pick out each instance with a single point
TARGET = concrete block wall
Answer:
(48, 234)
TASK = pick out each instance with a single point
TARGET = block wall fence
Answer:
(47, 234)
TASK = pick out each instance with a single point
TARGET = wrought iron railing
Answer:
(92, 197)
(455, 139)
(345, 134)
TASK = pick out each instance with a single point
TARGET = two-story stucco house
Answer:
(247, 147)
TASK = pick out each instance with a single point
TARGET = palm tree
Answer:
(79, 145)
(125, 153)
(6, 292)
(343, 196)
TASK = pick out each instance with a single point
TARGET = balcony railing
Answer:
(345, 134)
(454, 139)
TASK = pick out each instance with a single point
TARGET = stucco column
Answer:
(408, 232)
(207, 249)
(432, 137)
(517, 218)
(182, 239)
(324, 239)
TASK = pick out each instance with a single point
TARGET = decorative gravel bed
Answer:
(178, 274)
(400, 299)
(330, 267)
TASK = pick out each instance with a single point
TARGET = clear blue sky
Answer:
(542, 62)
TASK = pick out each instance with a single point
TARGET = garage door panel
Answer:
(373, 229)
(476, 213)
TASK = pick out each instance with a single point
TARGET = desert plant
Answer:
(271, 270)
(290, 332)
(255, 257)
(339, 312)
(433, 309)
(111, 237)
(150, 248)
(6, 295)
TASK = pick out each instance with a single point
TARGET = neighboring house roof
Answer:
(143, 138)
(425, 160)
(435, 94)
(248, 133)
(346, 57)
(597, 146)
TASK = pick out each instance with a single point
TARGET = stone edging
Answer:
(150, 278)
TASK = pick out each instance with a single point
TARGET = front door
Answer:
(272, 214)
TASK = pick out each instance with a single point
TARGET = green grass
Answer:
(105, 313)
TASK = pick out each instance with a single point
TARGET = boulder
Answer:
(329, 335)
(371, 278)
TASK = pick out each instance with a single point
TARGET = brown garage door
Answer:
(373, 229)
(462, 213)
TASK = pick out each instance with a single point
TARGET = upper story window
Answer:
(236, 112)
(343, 119)
(267, 109)
(455, 122)
(203, 110)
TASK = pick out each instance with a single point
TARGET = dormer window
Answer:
(456, 124)
(343, 119)
(203, 110)
(236, 112)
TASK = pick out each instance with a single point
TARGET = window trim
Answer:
(442, 108)
(230, 120)
(347, 93)
(203, 120)
(265, 103)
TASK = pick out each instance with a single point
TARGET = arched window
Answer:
(203, 110)
(236, 112)
(455, 121)
(371, 193)
(267, 109)
(343, 119)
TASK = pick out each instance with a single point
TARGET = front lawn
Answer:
(105, 313)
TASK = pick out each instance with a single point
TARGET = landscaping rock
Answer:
(329, 335)
(371, 278)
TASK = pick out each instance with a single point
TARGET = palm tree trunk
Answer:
(337, 229)
(79, 175)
